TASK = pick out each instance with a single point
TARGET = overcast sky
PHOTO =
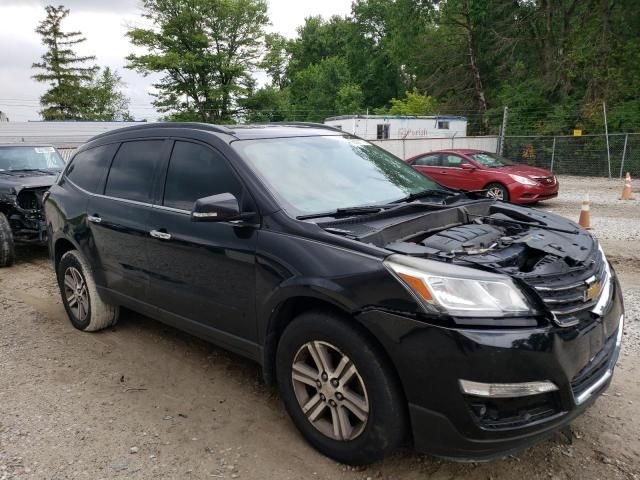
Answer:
(104, 24)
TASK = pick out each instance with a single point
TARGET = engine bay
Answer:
(495, 236)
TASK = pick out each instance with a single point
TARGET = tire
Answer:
(89, 312)
(7, 247)
(372, 389)
(497, 191)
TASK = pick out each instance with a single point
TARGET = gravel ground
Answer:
(611, 218)
(143, 400)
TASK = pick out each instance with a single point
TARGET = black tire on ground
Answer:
(385, 426)
(85, 309)
(7, 248)
(494, 190)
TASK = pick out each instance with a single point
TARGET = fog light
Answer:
(505, 390)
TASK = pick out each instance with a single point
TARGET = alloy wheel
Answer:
(495, 192)
(76, 294)
(330, 391)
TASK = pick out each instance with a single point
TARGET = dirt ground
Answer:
(143, 400)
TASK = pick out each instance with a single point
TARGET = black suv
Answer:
(26, 173)
(387, 308)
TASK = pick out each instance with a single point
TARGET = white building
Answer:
(383, 127)
(56, 132)
(65, 135)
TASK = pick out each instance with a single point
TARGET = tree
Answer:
(414, 104)
(206, 50)
(105, 100)
(61, 68)
(317, 92)
(266, 104)
(276, 59)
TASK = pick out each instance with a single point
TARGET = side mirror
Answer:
(218, 208)
(467, 166)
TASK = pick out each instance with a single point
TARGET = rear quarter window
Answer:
(88, 167)
(428, 161)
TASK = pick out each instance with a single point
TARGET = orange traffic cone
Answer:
(627, 193)
(585, 214)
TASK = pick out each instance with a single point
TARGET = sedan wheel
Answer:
(497, 192)
(330, 391)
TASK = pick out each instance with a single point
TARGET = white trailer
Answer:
(385, 127)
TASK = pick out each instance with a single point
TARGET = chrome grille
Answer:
(545, 180)
(567, 295)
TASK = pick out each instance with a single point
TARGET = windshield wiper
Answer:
(41, 170)
(425, 193)
(341, 212)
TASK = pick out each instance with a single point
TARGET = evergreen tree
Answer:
(62, 68)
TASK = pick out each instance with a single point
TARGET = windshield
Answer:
(29, 158)
(324, 173)
(487, 159)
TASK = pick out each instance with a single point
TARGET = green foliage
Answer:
(267, 104)
(552, 62)
(105, 100)
(62, 69)
(314, 89)
(206, 50)
(77, 92)
(276, 59)
(414, 103)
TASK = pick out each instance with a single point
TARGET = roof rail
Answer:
(307, 124)
(195, 125)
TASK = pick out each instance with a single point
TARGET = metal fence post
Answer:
(624, 154)
(503, 130)
(553, 153)
(606, 132)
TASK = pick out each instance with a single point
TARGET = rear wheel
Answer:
(7, 248)
(339, 390)
(85, 308)
(497, 191)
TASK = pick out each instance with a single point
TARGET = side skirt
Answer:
(233, 343)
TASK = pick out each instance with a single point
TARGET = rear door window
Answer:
(89, 167)
(428, 161)
(132, 171)
(196, 171)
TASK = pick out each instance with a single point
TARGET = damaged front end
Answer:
(554, 264)
(23, 208)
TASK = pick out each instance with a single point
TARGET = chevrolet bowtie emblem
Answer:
(592, 292)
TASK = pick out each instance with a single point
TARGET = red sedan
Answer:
(478, 170)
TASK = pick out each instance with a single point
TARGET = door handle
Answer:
(160, 235)
(94, 218)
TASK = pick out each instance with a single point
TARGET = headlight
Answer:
(523, 180)
(459, 291)
(605, 286)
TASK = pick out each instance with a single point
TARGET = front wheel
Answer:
(7, 249)
(339, 389)
(497, 191)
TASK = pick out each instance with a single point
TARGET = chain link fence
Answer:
(587, 155)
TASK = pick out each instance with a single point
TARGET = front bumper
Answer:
(431, 360)
(519, 193)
